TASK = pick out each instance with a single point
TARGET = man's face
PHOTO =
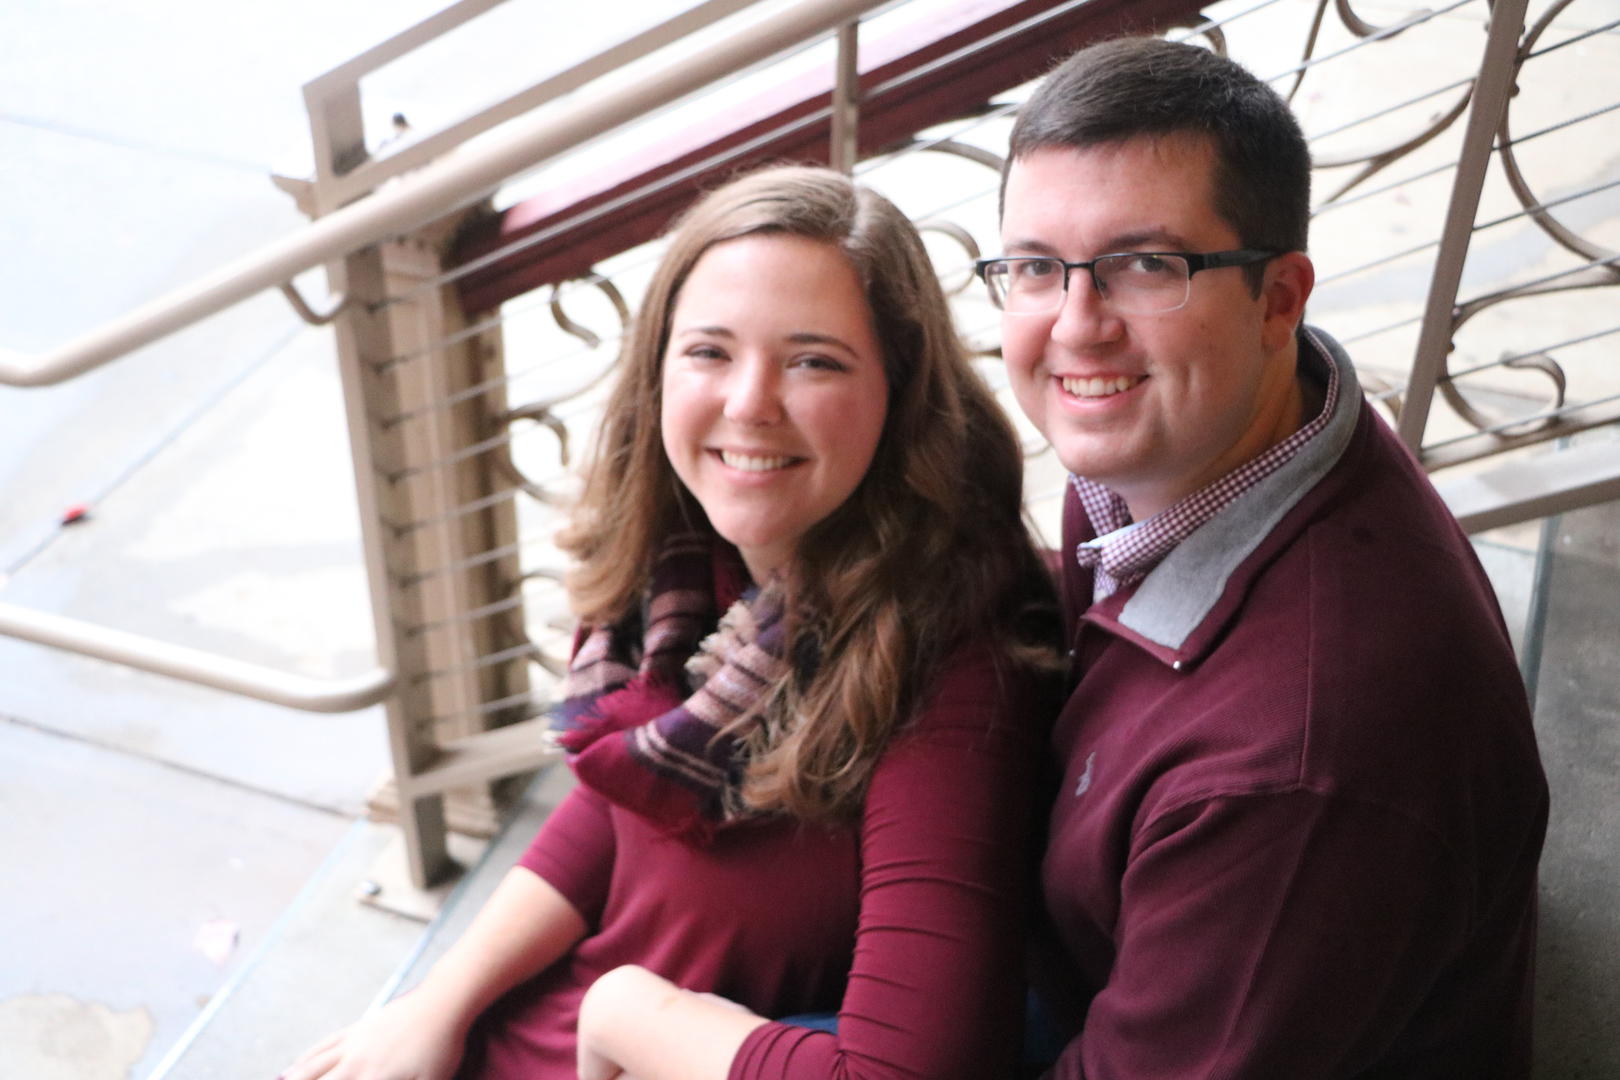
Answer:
(1154, 406)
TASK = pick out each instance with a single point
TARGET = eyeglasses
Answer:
(1131, 283)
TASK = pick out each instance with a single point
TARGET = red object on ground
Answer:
(75, 514)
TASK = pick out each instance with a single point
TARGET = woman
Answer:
(820, 800)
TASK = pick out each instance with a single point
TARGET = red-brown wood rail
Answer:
(887, 118)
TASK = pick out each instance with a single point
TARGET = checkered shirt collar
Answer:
(1123, 552)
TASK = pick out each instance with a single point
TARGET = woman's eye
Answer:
(706, 352)
(818, 363)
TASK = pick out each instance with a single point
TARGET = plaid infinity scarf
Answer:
(644, 700)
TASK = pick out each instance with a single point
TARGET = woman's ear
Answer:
(1287, 285)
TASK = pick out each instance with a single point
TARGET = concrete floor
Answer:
(166, 843)
(1578, 726)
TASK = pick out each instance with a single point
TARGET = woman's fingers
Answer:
(318, 1062)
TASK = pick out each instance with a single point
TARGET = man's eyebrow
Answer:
(1136, 240)
(1031, 247)
(1147, 239)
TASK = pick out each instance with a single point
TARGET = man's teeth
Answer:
(1098, 386)
(752, 463)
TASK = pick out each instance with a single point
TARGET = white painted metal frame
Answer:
(428, 194)
(345, 238)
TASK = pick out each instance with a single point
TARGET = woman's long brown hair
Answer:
(929, 552)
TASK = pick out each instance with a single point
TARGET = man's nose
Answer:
(1086, 318)
(753, 393)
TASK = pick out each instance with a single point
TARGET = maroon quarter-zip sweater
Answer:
(1301, 806)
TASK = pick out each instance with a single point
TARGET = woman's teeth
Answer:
(753, 463)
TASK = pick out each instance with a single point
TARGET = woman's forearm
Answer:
(633, 1023)
(525, 927)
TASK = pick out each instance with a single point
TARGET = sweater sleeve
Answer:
(935, 986)
(1286, 934)
(573, 852)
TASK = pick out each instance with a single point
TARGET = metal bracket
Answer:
(308, 314)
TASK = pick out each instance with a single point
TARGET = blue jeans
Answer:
(1042, 1044)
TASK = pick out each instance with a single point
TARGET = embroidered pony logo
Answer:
(1085, 778)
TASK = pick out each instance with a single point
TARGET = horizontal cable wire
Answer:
(502, 382)
(1548, 205)
(1415, 19)
(471, 562)
(472, 615)
(1387, 110)
(1478, 228)
(1518, 141)
(1384, 329)
(1520, 421)
(1545, 279)
(1507, 361)
(481, 663)
(1499, 362)
(483, 503)
(1582, 36)
(537, 706)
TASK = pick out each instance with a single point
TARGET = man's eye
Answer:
(1147, 264)
(1036, 270)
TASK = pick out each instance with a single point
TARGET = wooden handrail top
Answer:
(763, 129)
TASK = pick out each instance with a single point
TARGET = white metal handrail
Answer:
(195, 666)
(342, 82)
(438, 189)
(408, 203)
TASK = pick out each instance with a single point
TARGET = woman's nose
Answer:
(753, 394)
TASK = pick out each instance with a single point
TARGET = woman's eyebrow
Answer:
(706, 331)
(811, 337)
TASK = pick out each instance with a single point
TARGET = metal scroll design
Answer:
(1601, 270)
(543, 411)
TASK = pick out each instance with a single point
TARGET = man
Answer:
(1301, 806)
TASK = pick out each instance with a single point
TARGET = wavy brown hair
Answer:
(931, 549)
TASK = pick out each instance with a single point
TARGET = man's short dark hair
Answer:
(1146, 87)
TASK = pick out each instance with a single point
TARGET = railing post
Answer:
(398, 376)
(364, 348)
(452, 513)
(1494, 85)
(844, 147)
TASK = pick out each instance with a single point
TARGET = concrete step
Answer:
(345, 946)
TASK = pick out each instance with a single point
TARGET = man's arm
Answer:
(1289, 934)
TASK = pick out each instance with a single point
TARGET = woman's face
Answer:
(774, 392)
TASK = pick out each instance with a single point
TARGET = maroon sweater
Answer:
(917, 909)
(1298, 829)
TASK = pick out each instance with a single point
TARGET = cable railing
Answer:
(473, 354)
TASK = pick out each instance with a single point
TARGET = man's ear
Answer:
(1287, 285)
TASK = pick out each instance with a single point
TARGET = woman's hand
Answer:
(410, 1038)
